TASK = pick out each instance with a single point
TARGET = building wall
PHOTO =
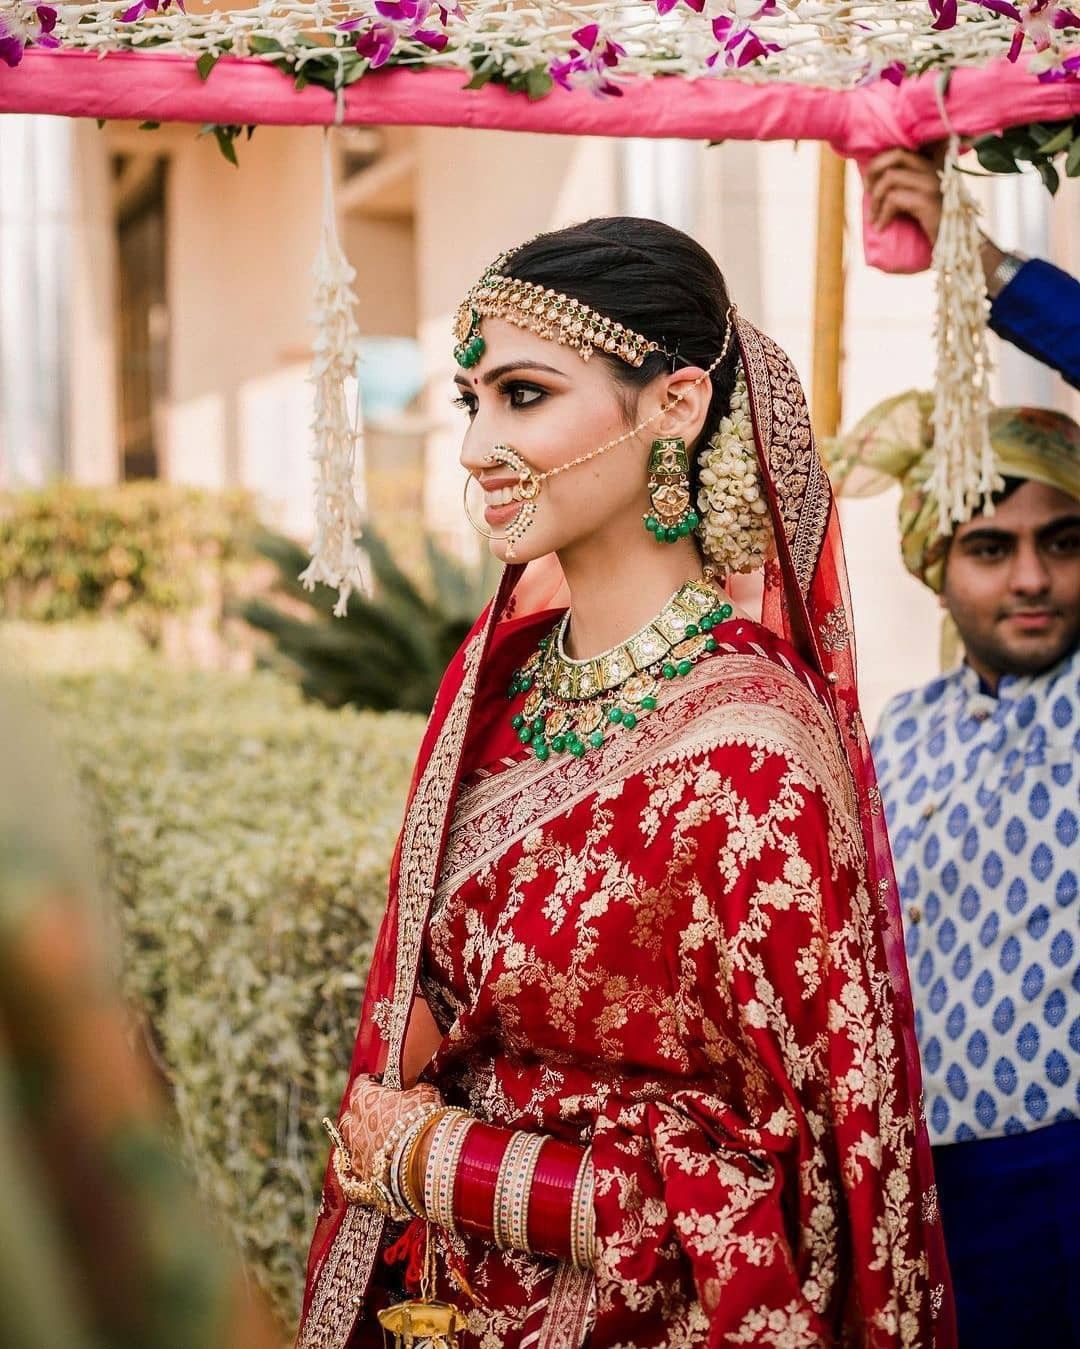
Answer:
(241, 245)
(57, 375)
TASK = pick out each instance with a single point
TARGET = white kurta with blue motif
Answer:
(982, 796)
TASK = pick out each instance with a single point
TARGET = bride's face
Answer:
(544, 402)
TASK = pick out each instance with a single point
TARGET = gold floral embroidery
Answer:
(834, 630)
(421, 842)
(779, 408)
(731, 699)
(530, 921)
(565, 1322)
(345, 1269)
(779, 1327)
(340, 1283)
(679, 798)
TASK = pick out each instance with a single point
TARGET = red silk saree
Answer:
(682, 948)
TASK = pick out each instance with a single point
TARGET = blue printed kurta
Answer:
(981, 798)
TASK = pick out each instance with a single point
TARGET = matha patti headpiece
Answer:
(549, 314)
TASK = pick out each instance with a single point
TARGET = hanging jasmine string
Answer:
(336, 559)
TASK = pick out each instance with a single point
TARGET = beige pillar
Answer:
(93, 449)
(825, 400)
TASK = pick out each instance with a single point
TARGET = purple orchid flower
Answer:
(399, 19)
(430, 38)
(563, 72)
(944, 12)
(1002, 7)
(1036, 20)
(738, 46)
(26, 25)
(666, 6)
(377, 43)
(747, 11)
(586, 36)
(894, 72)
(11, 45)
(1042, 19)
(404, 11)
(1068, 69)
(721, 28)
(752, 48)
(141, 7)
(588, 68)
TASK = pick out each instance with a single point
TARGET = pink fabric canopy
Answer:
(858, 123)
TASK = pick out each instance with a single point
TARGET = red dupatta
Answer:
(806, 601)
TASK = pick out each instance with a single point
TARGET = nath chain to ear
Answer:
(536, 479)
(530, 482)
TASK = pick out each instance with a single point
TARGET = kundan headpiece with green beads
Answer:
(548, 313)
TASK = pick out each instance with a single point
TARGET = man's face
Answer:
(1012, 583)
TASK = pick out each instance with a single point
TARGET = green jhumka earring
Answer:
(672, 516)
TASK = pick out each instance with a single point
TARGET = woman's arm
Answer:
(406, 1152)
(511, 1187)
(422, 1039)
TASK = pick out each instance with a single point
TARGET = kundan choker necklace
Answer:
(570, 704)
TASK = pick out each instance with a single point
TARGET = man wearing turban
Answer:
(979, 773)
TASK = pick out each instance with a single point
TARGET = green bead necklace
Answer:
(571, 705)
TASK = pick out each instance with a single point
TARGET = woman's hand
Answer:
(372, 1112)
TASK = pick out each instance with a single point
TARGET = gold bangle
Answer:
(401, 1165)
(582, 1219)
(521, 1192)
(509, 1167)
(440, 1173)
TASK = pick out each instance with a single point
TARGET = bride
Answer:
(636, 1065)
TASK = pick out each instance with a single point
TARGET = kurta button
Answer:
(928, 810)
(914, 913)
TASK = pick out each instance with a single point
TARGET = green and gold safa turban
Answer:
(893, 443)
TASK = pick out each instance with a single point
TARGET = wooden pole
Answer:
(829, 294)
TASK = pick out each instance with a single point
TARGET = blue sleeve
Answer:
(1039, 312)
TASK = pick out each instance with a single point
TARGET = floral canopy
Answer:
(537, 46)
(860, 75)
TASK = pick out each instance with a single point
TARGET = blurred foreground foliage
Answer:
(247, 837)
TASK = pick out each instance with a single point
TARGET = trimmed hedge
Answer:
(143, 548)
(247, 836)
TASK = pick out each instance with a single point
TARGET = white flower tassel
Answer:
(736, 529)
(335, 559)
(964, 473)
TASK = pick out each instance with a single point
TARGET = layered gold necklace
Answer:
(570, 705)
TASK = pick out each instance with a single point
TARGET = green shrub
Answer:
(391, 648)
(247, 836)
(82, 646)
(138, 548)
